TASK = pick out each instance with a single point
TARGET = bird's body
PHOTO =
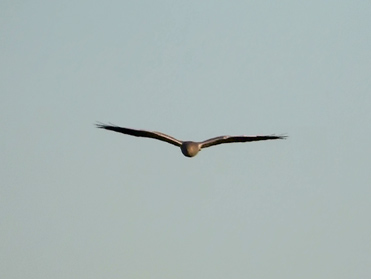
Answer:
(188, 148)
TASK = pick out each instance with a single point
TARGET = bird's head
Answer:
(190, 148)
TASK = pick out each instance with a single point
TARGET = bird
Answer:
(188, 148)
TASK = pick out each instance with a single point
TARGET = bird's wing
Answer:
(141, 133)
(229, 139)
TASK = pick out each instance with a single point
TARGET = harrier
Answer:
(188, 148)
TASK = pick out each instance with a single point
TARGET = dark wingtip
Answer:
(274, 136)
(101, 125)
(284, 136)
(279, 136)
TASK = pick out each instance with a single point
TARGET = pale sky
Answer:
(78, 202)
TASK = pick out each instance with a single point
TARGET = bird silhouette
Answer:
(188, 148)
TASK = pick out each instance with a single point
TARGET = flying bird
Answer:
(188, 148)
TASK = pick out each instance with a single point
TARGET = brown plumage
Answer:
(188, 148)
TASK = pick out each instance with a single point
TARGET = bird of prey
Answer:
(188, 148)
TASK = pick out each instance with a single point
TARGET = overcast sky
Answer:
(79, 202)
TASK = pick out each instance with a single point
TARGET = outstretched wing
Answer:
(229, 139)
(141, 133)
